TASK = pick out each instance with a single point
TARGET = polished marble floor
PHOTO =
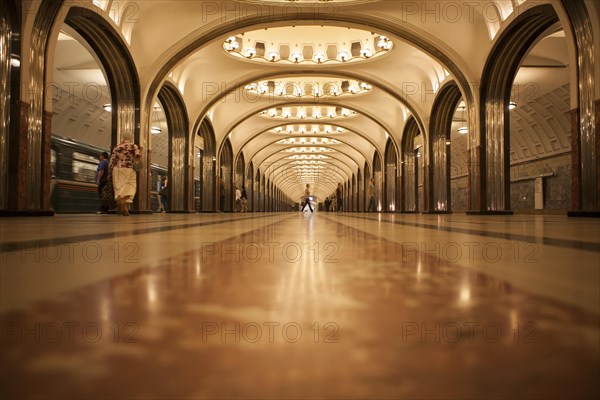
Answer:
(292, 305)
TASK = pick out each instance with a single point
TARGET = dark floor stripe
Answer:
(15, 246)
(563, 243)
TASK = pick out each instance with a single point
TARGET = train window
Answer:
(84, 168)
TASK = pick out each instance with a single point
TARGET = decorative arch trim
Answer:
(180, 176)
(437, 185)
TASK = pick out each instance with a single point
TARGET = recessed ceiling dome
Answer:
(308, 45)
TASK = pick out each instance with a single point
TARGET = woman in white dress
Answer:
(123, 175)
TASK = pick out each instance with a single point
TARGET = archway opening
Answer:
(412, 176)
(240, 179)
(458, 160)
(207, 160)
(181, 193)
(391, 177)
(540, 128)
(378, 177)
(82, 123)
(159, 157)
(502, 65)
(226, 176)
(249, 185)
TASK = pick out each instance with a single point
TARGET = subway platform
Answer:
(293, 305)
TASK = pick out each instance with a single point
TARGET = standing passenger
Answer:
(371, 195)
(338, 196)
(102, 180)
(238, 200)
(123, 174)
(163, 194)
(244, 199)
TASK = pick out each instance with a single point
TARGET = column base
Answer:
(584, 213)
(490, 212)
(26, 213)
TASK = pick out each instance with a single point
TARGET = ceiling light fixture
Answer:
(231, 44)
(365, 52)
(155, 129)
(384, 42)
(463, 129)
(107, 107)
(296, 57)
(512, 105)
(273, 55)
(343, 56)
(319, 57)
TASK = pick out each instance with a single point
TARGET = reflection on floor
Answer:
(297, 305)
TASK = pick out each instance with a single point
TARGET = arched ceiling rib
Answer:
(247, 121)
(235, 102)
(275, 161)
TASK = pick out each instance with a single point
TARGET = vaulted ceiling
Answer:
(307, 90)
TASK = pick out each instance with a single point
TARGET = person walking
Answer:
(102, 180)
(327, 204)
(306, 199)
(371, 194)
(244, 200)
(123, 175)
(238, 200)
(338, 196)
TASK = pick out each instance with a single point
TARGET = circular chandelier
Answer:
(315, 112)
(308, 87)
(319, 45)
(314, 129)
